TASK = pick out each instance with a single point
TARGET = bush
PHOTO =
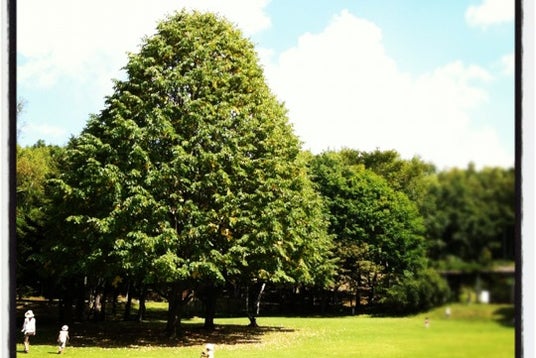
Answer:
(416, 293)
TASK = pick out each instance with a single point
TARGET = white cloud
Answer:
(43, 131)
(342, 90)
(508, 64)
(340, 86)
(490, 12)
(78, 40)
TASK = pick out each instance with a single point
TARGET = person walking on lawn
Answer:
(28, 329)
(63, 336)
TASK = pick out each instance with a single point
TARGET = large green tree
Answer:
(191, 175)
(378, 230)
(35, 164)
(417, 179)
(413, 177)
(477, 208)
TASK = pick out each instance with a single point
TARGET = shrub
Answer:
(416, 293)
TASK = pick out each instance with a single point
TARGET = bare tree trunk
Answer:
(142, 308)
(98, 307)
(358, 294)
(253, 312)
(104, 301)
(66, 307)
(177, 299)
(114, 302)
(98, 302)
(81, 306)
(128, 304)
(174, 317)
(372, 292)
(209, 300)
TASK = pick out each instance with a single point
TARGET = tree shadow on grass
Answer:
(114, 334)
(505, 316)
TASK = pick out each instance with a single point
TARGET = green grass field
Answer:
(471, 331)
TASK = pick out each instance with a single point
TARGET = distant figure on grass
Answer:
(426, 322)
(28, 329)
(208, 352)
(447, 312)
(63, 337)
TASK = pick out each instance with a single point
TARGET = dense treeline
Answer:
(190, 185)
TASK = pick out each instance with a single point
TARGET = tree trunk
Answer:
(97, 306)
(98, 303)
(81, 308)
(128, 304)
(174, 317)
(66, 307)
(177, 299)
(114, 302)
(102, 314)
(358, 294)
(372, 291)
(209, 296)
(142, 308)
(253, 312)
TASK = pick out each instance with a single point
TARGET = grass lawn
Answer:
(471, 331)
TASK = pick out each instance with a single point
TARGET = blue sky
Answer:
(428, 78)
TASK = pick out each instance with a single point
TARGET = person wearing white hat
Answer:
(28, 329)
(208, 352)
(63, 336)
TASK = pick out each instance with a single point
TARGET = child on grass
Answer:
(63, 336)
(28, 329)
(208, 352)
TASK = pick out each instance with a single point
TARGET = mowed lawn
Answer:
(471, 331)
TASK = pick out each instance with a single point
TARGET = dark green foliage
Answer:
(377, 230)
(469, 215)
(191, 178)
(477, 211)
(191, 174)
(416, 292)
(412, 177)
(35, 165)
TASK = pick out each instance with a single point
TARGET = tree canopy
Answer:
(191, 173)
(477, 216)
(378, 231)
(35, 165)
(191, 181)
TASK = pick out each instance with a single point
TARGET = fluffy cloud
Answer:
(79, 40)
(508, 64)
(341, 87)
(74, 49)
(490, 12)
(44, 129)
